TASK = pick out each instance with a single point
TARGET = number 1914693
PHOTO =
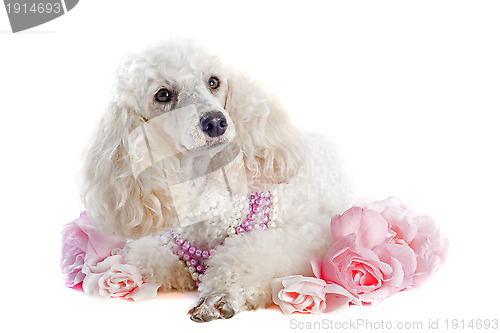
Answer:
(472, 324)
(35, 8)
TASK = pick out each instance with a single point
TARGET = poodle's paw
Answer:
(212, 307)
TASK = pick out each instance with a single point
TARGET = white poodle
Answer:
(236, 194)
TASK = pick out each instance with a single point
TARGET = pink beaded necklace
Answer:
(261, 213)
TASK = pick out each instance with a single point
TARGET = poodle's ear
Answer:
(115, 202)
(272, 146)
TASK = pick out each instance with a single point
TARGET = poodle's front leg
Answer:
(240, 272)
(158, 264)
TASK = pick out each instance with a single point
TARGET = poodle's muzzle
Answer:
(187, 130)
(193, 149)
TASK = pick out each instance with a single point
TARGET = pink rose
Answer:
(112, 278)
(431, 247)
(399, 216)
(308, 295)
(420, 232)
(81, 241)
(364, 258)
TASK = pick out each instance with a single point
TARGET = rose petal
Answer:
(308, 286)
(397, 214)
(369, 256)
(145, 291)
(100, 246)
(375, 296)
(91, 284)
(299, 294)
(316, 265)
(277, 287)
(406, 261)
(333, 288)
(93, 267)
(330, 270)
(369, 227)
(431, 247)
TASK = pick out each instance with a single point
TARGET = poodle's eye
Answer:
(163, 95)
(213, 82)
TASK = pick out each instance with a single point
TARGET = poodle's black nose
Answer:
(213, 123)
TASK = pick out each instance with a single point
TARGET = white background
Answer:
(409, 91)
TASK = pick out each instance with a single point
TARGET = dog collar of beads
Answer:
(261, 214)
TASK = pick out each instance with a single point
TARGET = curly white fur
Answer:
(303, 168)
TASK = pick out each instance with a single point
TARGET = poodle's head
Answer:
(171, 77)
(203, 105)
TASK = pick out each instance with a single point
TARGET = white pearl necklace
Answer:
(260, 211)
